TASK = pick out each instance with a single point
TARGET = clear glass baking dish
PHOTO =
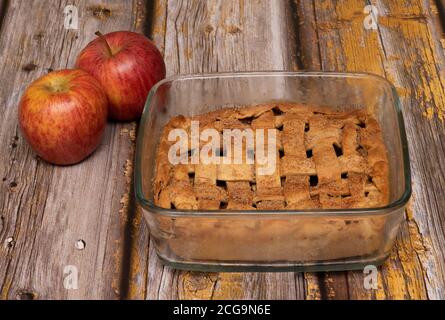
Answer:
(304, 240)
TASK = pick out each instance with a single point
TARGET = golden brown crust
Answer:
(325, 159)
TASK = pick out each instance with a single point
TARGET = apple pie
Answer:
(325, 159)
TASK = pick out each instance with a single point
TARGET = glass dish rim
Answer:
(388, 209)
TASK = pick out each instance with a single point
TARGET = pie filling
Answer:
(323, 159)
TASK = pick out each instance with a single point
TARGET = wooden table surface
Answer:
(45, 210)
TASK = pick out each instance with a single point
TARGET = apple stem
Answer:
(100, 34)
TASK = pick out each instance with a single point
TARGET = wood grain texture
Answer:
(330, 36)
(406, 50)
(420, 72)
(45, 209)
(217, 36)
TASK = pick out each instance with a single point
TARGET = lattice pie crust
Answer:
(325, 159)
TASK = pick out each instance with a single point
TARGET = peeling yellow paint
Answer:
(229, 286)
(5, 290)
(312, 287)
(429, 112)
(197, 285)
(346, 46)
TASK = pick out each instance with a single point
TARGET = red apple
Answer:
(63, 116)
(127, 65)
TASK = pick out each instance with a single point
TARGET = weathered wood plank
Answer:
(420, 72)
(45, 209)
(204, 36)
(404, 49)
(319, 27)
